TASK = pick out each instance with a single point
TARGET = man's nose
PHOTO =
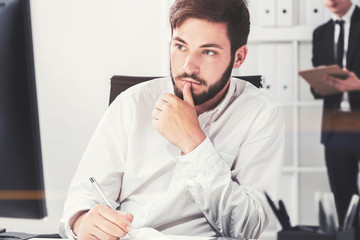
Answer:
(191, 65)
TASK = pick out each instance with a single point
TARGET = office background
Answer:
(80, 44)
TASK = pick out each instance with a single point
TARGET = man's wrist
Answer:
(195, 141)
(75, 222)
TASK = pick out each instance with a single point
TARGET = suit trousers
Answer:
(342, 164)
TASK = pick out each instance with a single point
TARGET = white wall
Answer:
(79, 45)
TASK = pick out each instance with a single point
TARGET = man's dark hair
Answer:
(234, 13)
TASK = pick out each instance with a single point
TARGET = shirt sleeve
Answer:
(232, 197)
(315, 59)
(103, 159)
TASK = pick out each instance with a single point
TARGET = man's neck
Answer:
(210, 104)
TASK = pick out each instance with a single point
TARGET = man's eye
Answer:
(180, 47)
(209, 53)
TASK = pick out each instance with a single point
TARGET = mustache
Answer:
(193, 77)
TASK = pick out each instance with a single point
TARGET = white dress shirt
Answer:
(345, 103)
(347, 22)
(217, 189)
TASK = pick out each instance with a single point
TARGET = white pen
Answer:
(97, 187)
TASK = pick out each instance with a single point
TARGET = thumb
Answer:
(127, 216)
(348, 72)
(188, 98)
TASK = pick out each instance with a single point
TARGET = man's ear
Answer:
(240, 56)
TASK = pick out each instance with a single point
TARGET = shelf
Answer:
(291, 169)
(281, 34)
(301, 104)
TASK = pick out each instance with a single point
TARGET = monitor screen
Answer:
(21, 175)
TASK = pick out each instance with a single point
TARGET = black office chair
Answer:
(120, 83)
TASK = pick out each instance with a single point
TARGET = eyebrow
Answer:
(208, 45)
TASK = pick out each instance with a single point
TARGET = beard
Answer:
(208, 94)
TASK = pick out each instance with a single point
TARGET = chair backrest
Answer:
(120, 83)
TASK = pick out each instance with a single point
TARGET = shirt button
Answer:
(142, 215)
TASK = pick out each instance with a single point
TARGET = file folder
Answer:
(284, 71)
(326, 15)
(267, 67)
(285, 12)
(266, 12)
(315, 12)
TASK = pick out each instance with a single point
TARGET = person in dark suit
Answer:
(338, 42)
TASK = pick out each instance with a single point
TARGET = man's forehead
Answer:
(202, 32)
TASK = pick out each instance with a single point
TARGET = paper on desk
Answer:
(146, 233)
(149, 234)
(152, 234)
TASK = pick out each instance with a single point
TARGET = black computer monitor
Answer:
(21, 174)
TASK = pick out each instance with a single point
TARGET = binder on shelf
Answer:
(266, 12)
(285, 12)
(267, 67)
(326, 15)
(315, 12)
(284, 71)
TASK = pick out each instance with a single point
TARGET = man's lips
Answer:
(190, 81)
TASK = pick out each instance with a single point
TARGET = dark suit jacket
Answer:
(323, 54)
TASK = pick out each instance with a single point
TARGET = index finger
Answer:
(187, 94)
(122, 220)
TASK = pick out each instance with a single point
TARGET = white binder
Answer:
(285, 12)
(267, 67)
(284, 71)
(266, 12)
(326, 15)
(315, 12)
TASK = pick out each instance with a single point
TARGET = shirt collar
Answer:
(347, 16)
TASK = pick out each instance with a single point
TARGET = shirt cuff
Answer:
(199, 161)
(68, 227)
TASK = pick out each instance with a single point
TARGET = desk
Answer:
(138, 234)
(170, 237)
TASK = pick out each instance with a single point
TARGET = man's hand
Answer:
(102, 222)
(351, 83)
(177, 120)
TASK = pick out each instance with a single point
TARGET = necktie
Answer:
(340, 44)
(344, 105)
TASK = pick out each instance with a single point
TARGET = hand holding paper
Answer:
(352, 82)
(315, 77)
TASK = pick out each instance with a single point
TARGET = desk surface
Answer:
(169, 237)
(142, 233)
